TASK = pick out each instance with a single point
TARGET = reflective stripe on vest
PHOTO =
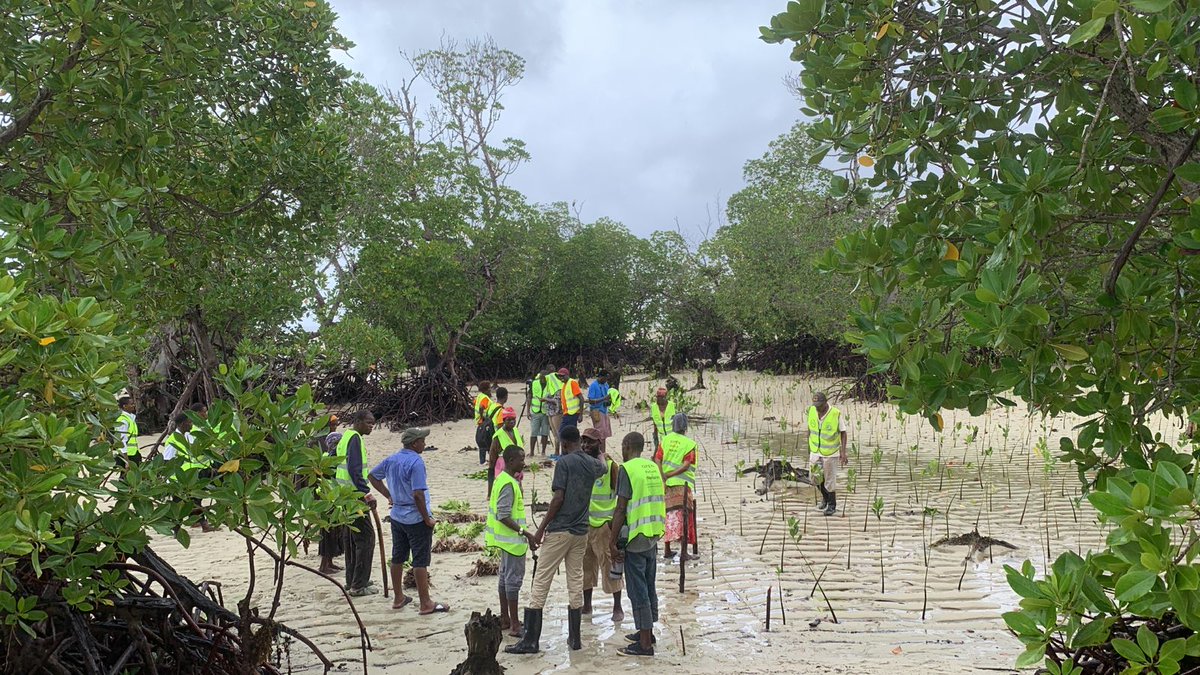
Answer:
(604, 498)
(662, 420)
(482, 402)
(493, 413)
(570, 399)
(131, 442)
(536, 392)
(343, 446)
(506, 440)
(675, 448)
(498, 534)
(614, 400)
(824, 436)
(646, 512)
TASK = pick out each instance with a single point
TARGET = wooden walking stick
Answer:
(382, 558)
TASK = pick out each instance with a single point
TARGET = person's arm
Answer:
(504, 507)
(420, 487)
(380, 487)
(493, 457)
(842, 455)
(354, 463)
(688, 462)
(551, 511)
(624, 493)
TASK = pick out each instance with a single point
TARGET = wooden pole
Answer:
(683, 541)
(382, 557)
(769, 609)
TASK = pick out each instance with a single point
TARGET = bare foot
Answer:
(516, 630)
(401, 601)
(435, 608)
(505, 623)
(618, 615)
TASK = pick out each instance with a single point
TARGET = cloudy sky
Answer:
(642, 111)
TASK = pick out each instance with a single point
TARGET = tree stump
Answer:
(483, 642)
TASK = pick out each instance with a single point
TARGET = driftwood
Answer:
(776, 469)
(975, 541)
(483, 643)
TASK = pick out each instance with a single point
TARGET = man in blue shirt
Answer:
(598, 400)
(407, 491)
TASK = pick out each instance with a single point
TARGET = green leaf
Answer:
(1151, 5)
(1109, 504)
(1140, 497)
(1031, 656)
(1147, 641)
(1189, 172)
(1134, 583)
(1092, 633)
(1070, 352)
(1128, 650)
(1087, 31)
(986, 295)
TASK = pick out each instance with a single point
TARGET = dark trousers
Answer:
(360, 549)
(640, 570)
(332, 542)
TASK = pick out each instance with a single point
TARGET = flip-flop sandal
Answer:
(402, 605)
(437, 608)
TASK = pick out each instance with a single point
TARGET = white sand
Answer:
(721, 614)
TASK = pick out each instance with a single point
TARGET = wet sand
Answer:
(932, 612)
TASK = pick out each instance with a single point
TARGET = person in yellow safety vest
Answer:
(179, 445)
(614, 400)
(552, 398)
(639, 521)
(506, 531)
(678, 458)
(352, 470)
(539, 419)
(483, 402)
(506, 435)
(662, 410)
(596, 559)
(127, 433)
(826, 437)
(496, 409)
(572, 399)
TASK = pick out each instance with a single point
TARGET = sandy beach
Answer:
(901, 604)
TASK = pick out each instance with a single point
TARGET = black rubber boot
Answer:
(531, 641)
(831, 507)
(637, 637)
(824, 497)
(574, 619)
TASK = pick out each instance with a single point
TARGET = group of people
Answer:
(604, 522)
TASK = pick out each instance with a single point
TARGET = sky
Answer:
(641, 111)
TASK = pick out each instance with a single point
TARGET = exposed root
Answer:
(457, 518)
(977, 542)
(484, 568)
(456, 545)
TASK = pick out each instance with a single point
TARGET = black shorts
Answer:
(417, 539)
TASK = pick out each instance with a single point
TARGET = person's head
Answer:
(563, 373)
(570, 439)
(508, 417)
(485, 387)
(501, 395)
(126, 404)
(632, 446)
(363, 422)
(591, 441)
(551, 368)
(333, 423)
(200, 409)
(183, 423)
(820, 402)
(514, 459)
(602, 377)
(661, 395)
(413, 438)
(679, 423)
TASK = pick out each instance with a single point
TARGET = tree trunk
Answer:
(483, 642)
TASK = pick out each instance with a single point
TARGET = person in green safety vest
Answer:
(552, 400)
(826, 438)
(539, 419)
(179, 446)
(483, 436)
(677, 455)
(614, 400)
(127, 433)
(596, 559)
(662, 409)
(505, 436)
(177, 443)
(506, 531)
(352, 471)
(639, 521)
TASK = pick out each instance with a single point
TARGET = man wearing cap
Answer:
(506, 435)
(407, 491)
(826, 438)
(596, 559)
(562, 537)
(539, 420)
(572, 399)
